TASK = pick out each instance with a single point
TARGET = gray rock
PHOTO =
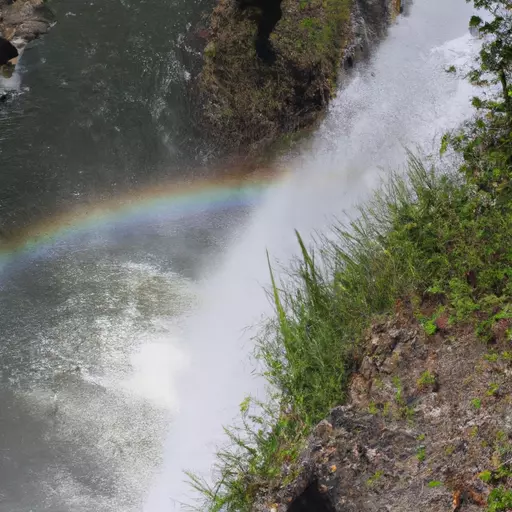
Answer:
(22, 21)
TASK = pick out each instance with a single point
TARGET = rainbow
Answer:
(170, 202)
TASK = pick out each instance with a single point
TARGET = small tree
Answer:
(485, 142)
(496, 53)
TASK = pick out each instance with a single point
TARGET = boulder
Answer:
(24, 20)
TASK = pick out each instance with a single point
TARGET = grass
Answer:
(314, 33)
(426, 379)
(476, 403)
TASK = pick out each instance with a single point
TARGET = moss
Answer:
(426, 379)
(375, 478)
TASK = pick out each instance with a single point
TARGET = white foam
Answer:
(155, 366)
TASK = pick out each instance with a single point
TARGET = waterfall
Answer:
(402, 98)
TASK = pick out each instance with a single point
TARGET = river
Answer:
(131, 269)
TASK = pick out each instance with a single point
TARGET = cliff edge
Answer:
(427, 426)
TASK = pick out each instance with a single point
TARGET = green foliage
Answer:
(421, 233)
(449, 450)
(500, 499)
(476, 403)
(398, 390)
(372, 408)
(496, 55)
(492, 357)
(421, 453)
(430, 327)
(434, 483)
(485, 476)
(426, 379)
(374, 479)
(493, 389)
(267, 438)
(486, 142)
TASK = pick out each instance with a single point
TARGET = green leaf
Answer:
(444, 143)
(475, 21)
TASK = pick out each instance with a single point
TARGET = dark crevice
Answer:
(312, 500)
(269, 15)
(7, 51)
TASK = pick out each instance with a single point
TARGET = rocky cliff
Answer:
(428, 427)
(271, 66)
(21, 21)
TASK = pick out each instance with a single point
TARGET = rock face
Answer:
(428, 427)
(271, 66)
(21, 21)
(7, 51)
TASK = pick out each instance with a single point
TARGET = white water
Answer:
(403, 98)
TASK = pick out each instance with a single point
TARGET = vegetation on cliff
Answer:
(433, 247)
(271, 66)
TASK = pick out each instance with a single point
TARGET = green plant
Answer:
(495, 56)
(485, 476)
(492, 357)
(430, 327)
(373, 480)
(493, 389)
(476, 403)
(500, 500)
(421, 453)
(426, 379)
(398, 391)
(449, 450)
(372, 408)
(434, 483)
(267, 438)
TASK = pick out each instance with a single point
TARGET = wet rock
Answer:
(7, 51)
(22, 21)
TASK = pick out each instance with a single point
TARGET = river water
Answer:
(129, 276)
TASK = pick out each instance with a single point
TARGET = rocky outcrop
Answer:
(428, 427)
(271, 66)
(22, 21)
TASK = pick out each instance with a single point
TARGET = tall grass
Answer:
(423, 235)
